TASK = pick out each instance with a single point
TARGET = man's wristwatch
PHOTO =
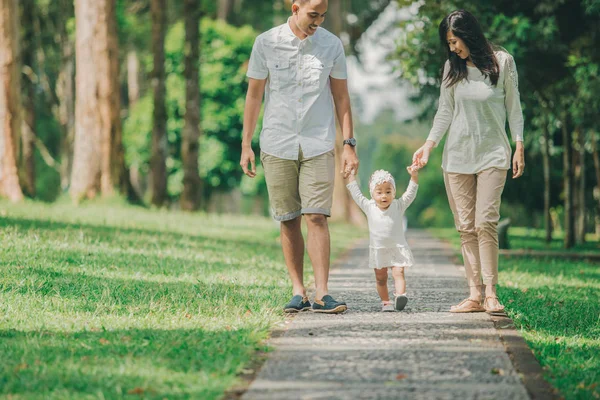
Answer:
(351, 142)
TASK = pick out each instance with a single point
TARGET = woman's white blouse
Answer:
(387, 247)
(474, 112)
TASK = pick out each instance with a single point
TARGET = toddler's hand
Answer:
(350, 177)
(413, 170)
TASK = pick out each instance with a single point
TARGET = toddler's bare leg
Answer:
(399, 281)
(381, 278)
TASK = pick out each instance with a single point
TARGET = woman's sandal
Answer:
(492, 305)
(467, 306)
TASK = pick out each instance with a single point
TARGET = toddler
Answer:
(388, 247)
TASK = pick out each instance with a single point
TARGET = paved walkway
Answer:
(423, 352)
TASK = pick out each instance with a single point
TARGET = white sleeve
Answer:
(358, 197)
(409, 196)
(445, 111)
(512, 99)
(257, 67)
(339, 70)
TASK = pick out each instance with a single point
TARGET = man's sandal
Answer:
(467, 306)
(492, 305)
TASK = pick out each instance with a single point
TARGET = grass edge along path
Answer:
(108, 301)
(555, 305)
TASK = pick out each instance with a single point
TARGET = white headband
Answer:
(380, 176)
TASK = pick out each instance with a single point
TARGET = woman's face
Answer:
(457, 46)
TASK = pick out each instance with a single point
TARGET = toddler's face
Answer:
(383, 195)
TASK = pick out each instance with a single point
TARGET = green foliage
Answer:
(556, 48)
(225, 51)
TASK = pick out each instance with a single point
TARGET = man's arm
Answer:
(254, 96)
(341, 97)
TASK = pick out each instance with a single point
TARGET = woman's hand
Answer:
(421, 156)
(518, 164)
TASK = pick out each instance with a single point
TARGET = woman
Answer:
(479, 92)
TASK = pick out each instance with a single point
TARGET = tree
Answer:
(27, 164)
(85, 179)
(98, 164)
(192, 189)
(10, 100)
(158, 163)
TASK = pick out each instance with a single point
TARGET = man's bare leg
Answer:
(319, 251)
(292, 244)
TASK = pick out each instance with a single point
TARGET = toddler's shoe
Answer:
(400, 302)
(387, 306)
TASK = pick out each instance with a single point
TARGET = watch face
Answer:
(351, 141)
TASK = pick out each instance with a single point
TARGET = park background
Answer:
(137, 259)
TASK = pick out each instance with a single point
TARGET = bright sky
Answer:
(373, 79)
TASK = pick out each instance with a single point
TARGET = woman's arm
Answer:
(512, 102)
(441, 122)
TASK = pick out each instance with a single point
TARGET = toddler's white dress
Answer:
(387, 247)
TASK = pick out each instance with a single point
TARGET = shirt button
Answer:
(300, 100)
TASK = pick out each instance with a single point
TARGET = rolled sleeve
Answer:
(257, 67)
(339, 70)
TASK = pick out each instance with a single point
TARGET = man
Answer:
(303, 69)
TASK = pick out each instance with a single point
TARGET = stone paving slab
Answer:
(423, 352)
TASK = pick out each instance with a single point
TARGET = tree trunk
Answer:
(581, 209)
(107, 101)
(27, 164)
(85, 179)
(224, 10)
(568, 184)
(65, 94)
(10, 100)
(159, 131)
(133, 77)
(546, 162)
(192, 188)
(343, 208)
(596, 158)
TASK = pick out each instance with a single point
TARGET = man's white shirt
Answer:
(299, 107)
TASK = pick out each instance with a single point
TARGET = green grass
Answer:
(521, 238)
(111, 302)
(534, 239)
(556, 305)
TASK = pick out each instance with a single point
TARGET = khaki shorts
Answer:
(303, 186)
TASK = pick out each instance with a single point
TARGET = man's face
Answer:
(309, 15)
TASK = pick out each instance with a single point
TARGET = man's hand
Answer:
(421, 156)
(518, 164)
(349, 161)
(248, 158)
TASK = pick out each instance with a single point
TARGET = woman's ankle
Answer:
(475, 292)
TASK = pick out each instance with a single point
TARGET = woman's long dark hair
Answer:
(466, 27)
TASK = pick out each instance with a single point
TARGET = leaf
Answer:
(497, 371)
(401, 376)
(21, 367)
(137, 390)
(103, 341)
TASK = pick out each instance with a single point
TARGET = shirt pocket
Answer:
(280, 74)
(319, 72)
